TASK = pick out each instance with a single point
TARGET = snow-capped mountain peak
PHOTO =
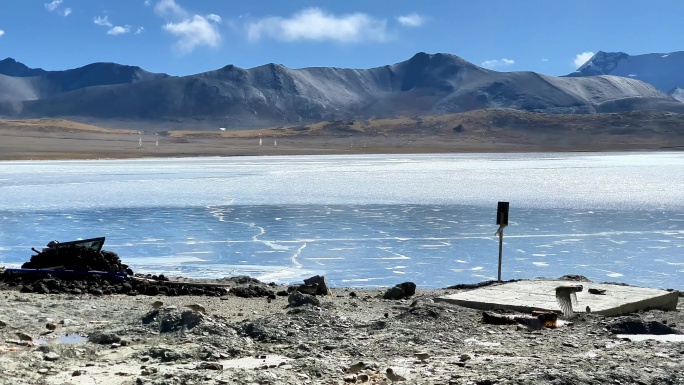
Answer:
(665, 71)
(678, 93)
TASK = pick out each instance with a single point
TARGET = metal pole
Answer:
(501, 229)
(500, 250)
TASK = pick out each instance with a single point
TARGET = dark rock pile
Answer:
(69, 269)
(56, 283)
(316, 285)
(78, 259)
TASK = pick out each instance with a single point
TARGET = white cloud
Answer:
(498, 63)
(119, 30)
(170, 8)
(67, 12)
(114, 30)
(411, 20)
(53, 5)
(314, 24)
(147, 3)
(582, 58)
(214, 17)
(140, 30)
(194, 32)
(2, 32)
(191, 31)
(545, 60)
(102, 21)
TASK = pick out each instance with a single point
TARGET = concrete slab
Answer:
(651, 337)
(526, 296)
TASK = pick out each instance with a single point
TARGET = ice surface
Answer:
(361, 220)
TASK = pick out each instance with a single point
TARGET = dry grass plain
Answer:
(476, 131)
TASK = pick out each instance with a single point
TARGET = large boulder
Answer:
(400, 291)
(316, 285)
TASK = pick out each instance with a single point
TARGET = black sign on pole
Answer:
(502, 221)
(502, 214)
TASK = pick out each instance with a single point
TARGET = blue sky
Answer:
(182, 37)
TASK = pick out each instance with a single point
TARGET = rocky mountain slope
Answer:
(20, 83)
(662, 70)
(426, 84)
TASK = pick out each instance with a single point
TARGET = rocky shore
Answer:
(279, 335)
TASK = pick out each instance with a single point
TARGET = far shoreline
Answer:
(25, 146)
(479, 131)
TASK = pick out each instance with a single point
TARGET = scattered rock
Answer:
(592, 290)
(190, 319)
(166, 354)
(197, 308)
(400, 291)
(24, 336)
(209, 366)
(307, 289)
(297, 299)
(51, 356)
(152, 290)
(574, 277)
(173, 321)
(148, 371)
(394, 293)
(251, 291)
(635, 325)
(103, 338)
(242, 279)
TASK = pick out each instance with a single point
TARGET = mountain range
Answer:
(272, 94)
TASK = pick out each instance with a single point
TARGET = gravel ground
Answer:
(123, 339)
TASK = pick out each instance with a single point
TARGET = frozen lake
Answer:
(361, 220)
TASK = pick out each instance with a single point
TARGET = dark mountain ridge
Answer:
(20, 83)
(272, 94)
(11, 67)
